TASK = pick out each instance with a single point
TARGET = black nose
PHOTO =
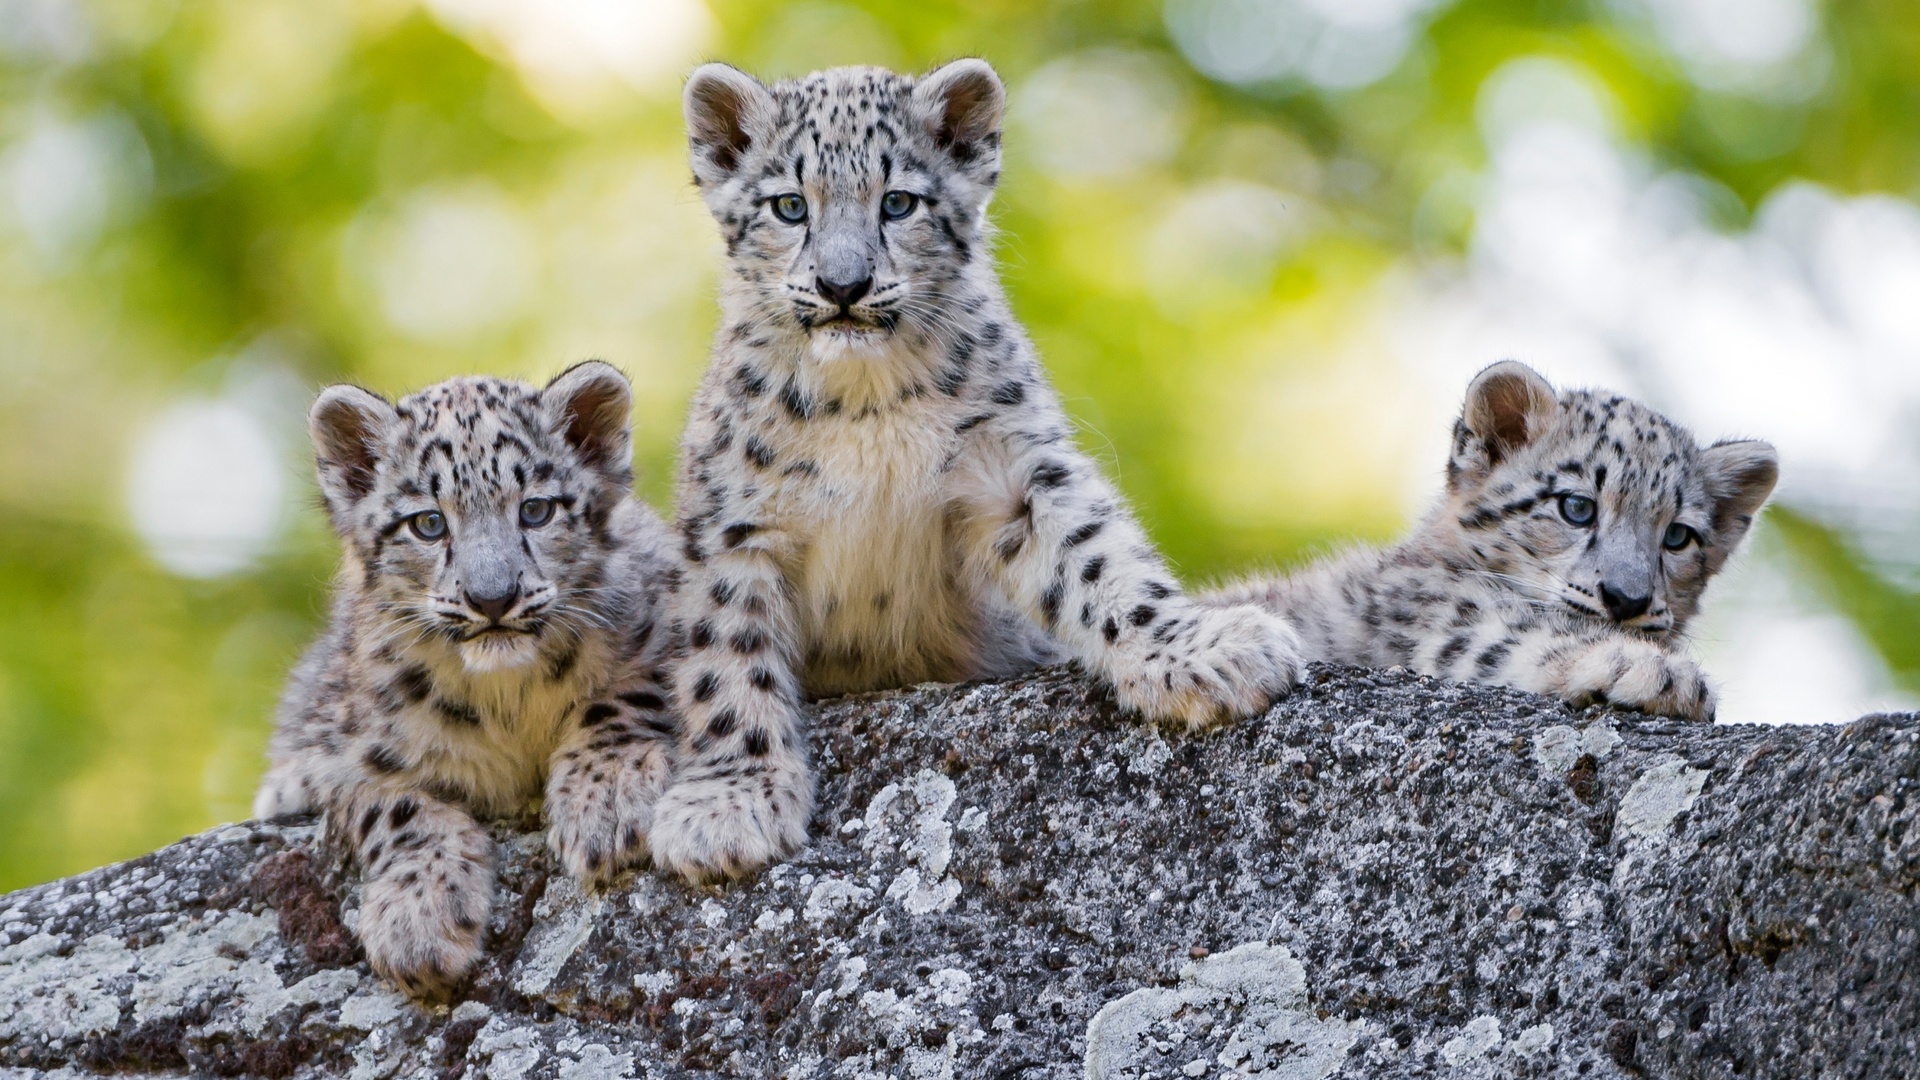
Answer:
(1621, 606)
(494, 607)
(843, 293)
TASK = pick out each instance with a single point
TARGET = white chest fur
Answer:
(495, 743)
(877, 588)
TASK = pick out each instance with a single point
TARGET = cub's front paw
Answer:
(1208, 665)
(1640, 675)
(730, 820)
(423, 929)
(600, 806)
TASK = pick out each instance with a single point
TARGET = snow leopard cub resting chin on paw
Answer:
(878, 487)
(493, 632)
(1576, 535)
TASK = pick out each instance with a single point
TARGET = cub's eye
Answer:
(790, 208)
(1577, 509)
(536, 512)
(1679, 537)
(898, 204)
(428, 525)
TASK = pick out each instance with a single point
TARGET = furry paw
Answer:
(1211, 665)
(1640, 675)
(730, 820)
(423, 926)
(283, 791)
(600, 805)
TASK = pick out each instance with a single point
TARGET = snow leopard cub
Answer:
(877, 486)
(1576, 535)
(495, 631)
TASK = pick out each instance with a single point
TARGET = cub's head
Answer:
(475, 511)
(1596, 502)
(851, 200)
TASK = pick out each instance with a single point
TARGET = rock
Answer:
(1385, 876)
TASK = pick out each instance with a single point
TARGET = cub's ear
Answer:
(726, 110)
(590, 405)
(349, 428)
(1740, 475)
(962, 104)
(1508, 406)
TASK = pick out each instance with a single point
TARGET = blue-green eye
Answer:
(790, 208)
(536, 512)
(1679, 537)
(1577, 509)
(898, 204)
(428, 525)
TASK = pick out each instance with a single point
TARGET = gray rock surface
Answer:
(1385, 876)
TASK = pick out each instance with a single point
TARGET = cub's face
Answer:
(475, 510)
(850, 200)
(1597, 503)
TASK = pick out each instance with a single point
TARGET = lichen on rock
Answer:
(1385, 876)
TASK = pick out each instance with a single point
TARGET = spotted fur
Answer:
(878, 486)
(1503, 583)
(463, 674)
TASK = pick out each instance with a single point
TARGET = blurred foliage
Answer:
(255, 189)
(1887, 614)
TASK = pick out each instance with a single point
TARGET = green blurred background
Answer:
(1262, 244)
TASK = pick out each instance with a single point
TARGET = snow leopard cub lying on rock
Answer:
(494, 631)
(878, 487)
(1576, 535)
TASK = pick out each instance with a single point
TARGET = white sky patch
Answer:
(1766, 48)
(1332, 44)
(1221, 241)
(65, 179)
(1100, 113)
(206, 488)
(580, 56)
(452, 263)
(52, 30)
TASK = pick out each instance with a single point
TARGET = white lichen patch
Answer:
(833, 895)
(951, 986)
(326, 987)
(372, 1009)
(1146, 752)
(597, 1063)
(60, 997)
(936, 1064)
(1476, 1040)
(1661, 794)
(655, 982)
(773, 920)
(1533, 1041)
(852, 970)
(1270, 1027)
(1559, 747)
(208, 960)
(566, 921)
(913, 817)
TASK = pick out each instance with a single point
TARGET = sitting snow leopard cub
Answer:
(1576, 535)
(877, 486)
(493, 631)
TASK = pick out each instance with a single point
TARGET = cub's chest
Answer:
(490, 737)
(868, 521)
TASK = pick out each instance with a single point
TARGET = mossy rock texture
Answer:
(1384, 876)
